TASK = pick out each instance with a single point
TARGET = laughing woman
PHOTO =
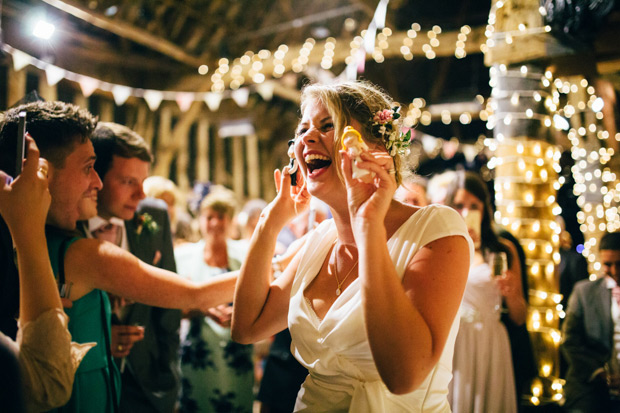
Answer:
(371, 299)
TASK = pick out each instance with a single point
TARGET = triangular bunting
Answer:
(213, 100)
(20, 60)
(88, 85)
(241, 96)
(153, 99)
(185, 100)
(265, 90)
(121, 94)
(54, 74)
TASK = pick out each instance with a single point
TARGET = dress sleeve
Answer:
(48, 360)
(443, 222)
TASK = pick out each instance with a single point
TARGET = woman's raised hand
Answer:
(290, 200)
(24, 202)
(370, 200)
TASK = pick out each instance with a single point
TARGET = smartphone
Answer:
(21, 144)
(293, 167)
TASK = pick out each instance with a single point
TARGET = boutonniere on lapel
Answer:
(145, 222)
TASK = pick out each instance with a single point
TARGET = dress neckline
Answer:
(353, 288)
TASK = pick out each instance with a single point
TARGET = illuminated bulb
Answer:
(43, 30)
(531, 246)
(557, 338)
(529, 198)
(556, 299)
(528, 176)
(520, 148)
(549, 315)
(535, 269)
(549, 249)
(546, 370)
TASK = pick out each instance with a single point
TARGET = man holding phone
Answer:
(62, 133)
(145, 340)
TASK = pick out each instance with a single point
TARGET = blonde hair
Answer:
(221, 200)
(156, 186)
(359, 100)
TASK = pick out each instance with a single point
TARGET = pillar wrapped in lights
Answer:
(526, 165)
(596, 184)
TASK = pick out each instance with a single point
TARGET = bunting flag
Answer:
(54, 74)
(20, 60)
(265, 90)
(184, 100)
(88, 85)
(121, 94)
(213, 100)
(241, 96)
(153, 99)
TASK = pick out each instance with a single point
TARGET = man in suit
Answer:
(592, 337)
(145, 340)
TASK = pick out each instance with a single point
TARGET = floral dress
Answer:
(217, 373)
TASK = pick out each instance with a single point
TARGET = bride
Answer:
(371, 298)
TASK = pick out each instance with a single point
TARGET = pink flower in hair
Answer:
(384, 116)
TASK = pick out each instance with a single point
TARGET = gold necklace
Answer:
(338, 290)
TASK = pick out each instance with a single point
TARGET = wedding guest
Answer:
(483, 374)
(47, 360)
(85, 268)
(145, 339)
(180, 220)
(218, 373)
(412, 191)
(591, 332)
(372, 297)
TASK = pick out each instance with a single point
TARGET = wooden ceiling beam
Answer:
(126, 31)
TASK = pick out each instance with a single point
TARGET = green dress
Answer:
(89, 321)
(217, 373)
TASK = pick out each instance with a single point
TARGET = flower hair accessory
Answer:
(385, 125)
(146, 222)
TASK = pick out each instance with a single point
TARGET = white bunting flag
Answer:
(213, 100)
(54, 74)
(121, 94)
(185, 100)
(241, 96)
(88, 85)
(265, 90)
(153, 99)
(20, 60)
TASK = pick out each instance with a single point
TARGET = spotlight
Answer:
(43, 30)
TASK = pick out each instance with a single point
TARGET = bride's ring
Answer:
(119, 347)
(43, 171)
(392, 171)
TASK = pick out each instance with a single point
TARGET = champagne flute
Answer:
(498, 261)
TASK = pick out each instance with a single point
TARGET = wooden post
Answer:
(16, 82)
(106, 111)
(266, 173)
(252, 166)
(80, 100)
(182, 163)
(47, 92)
(161, 167)
(219, 171)
(202, 146)
(238, 174)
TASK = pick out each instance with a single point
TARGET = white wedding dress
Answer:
(342, 373)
